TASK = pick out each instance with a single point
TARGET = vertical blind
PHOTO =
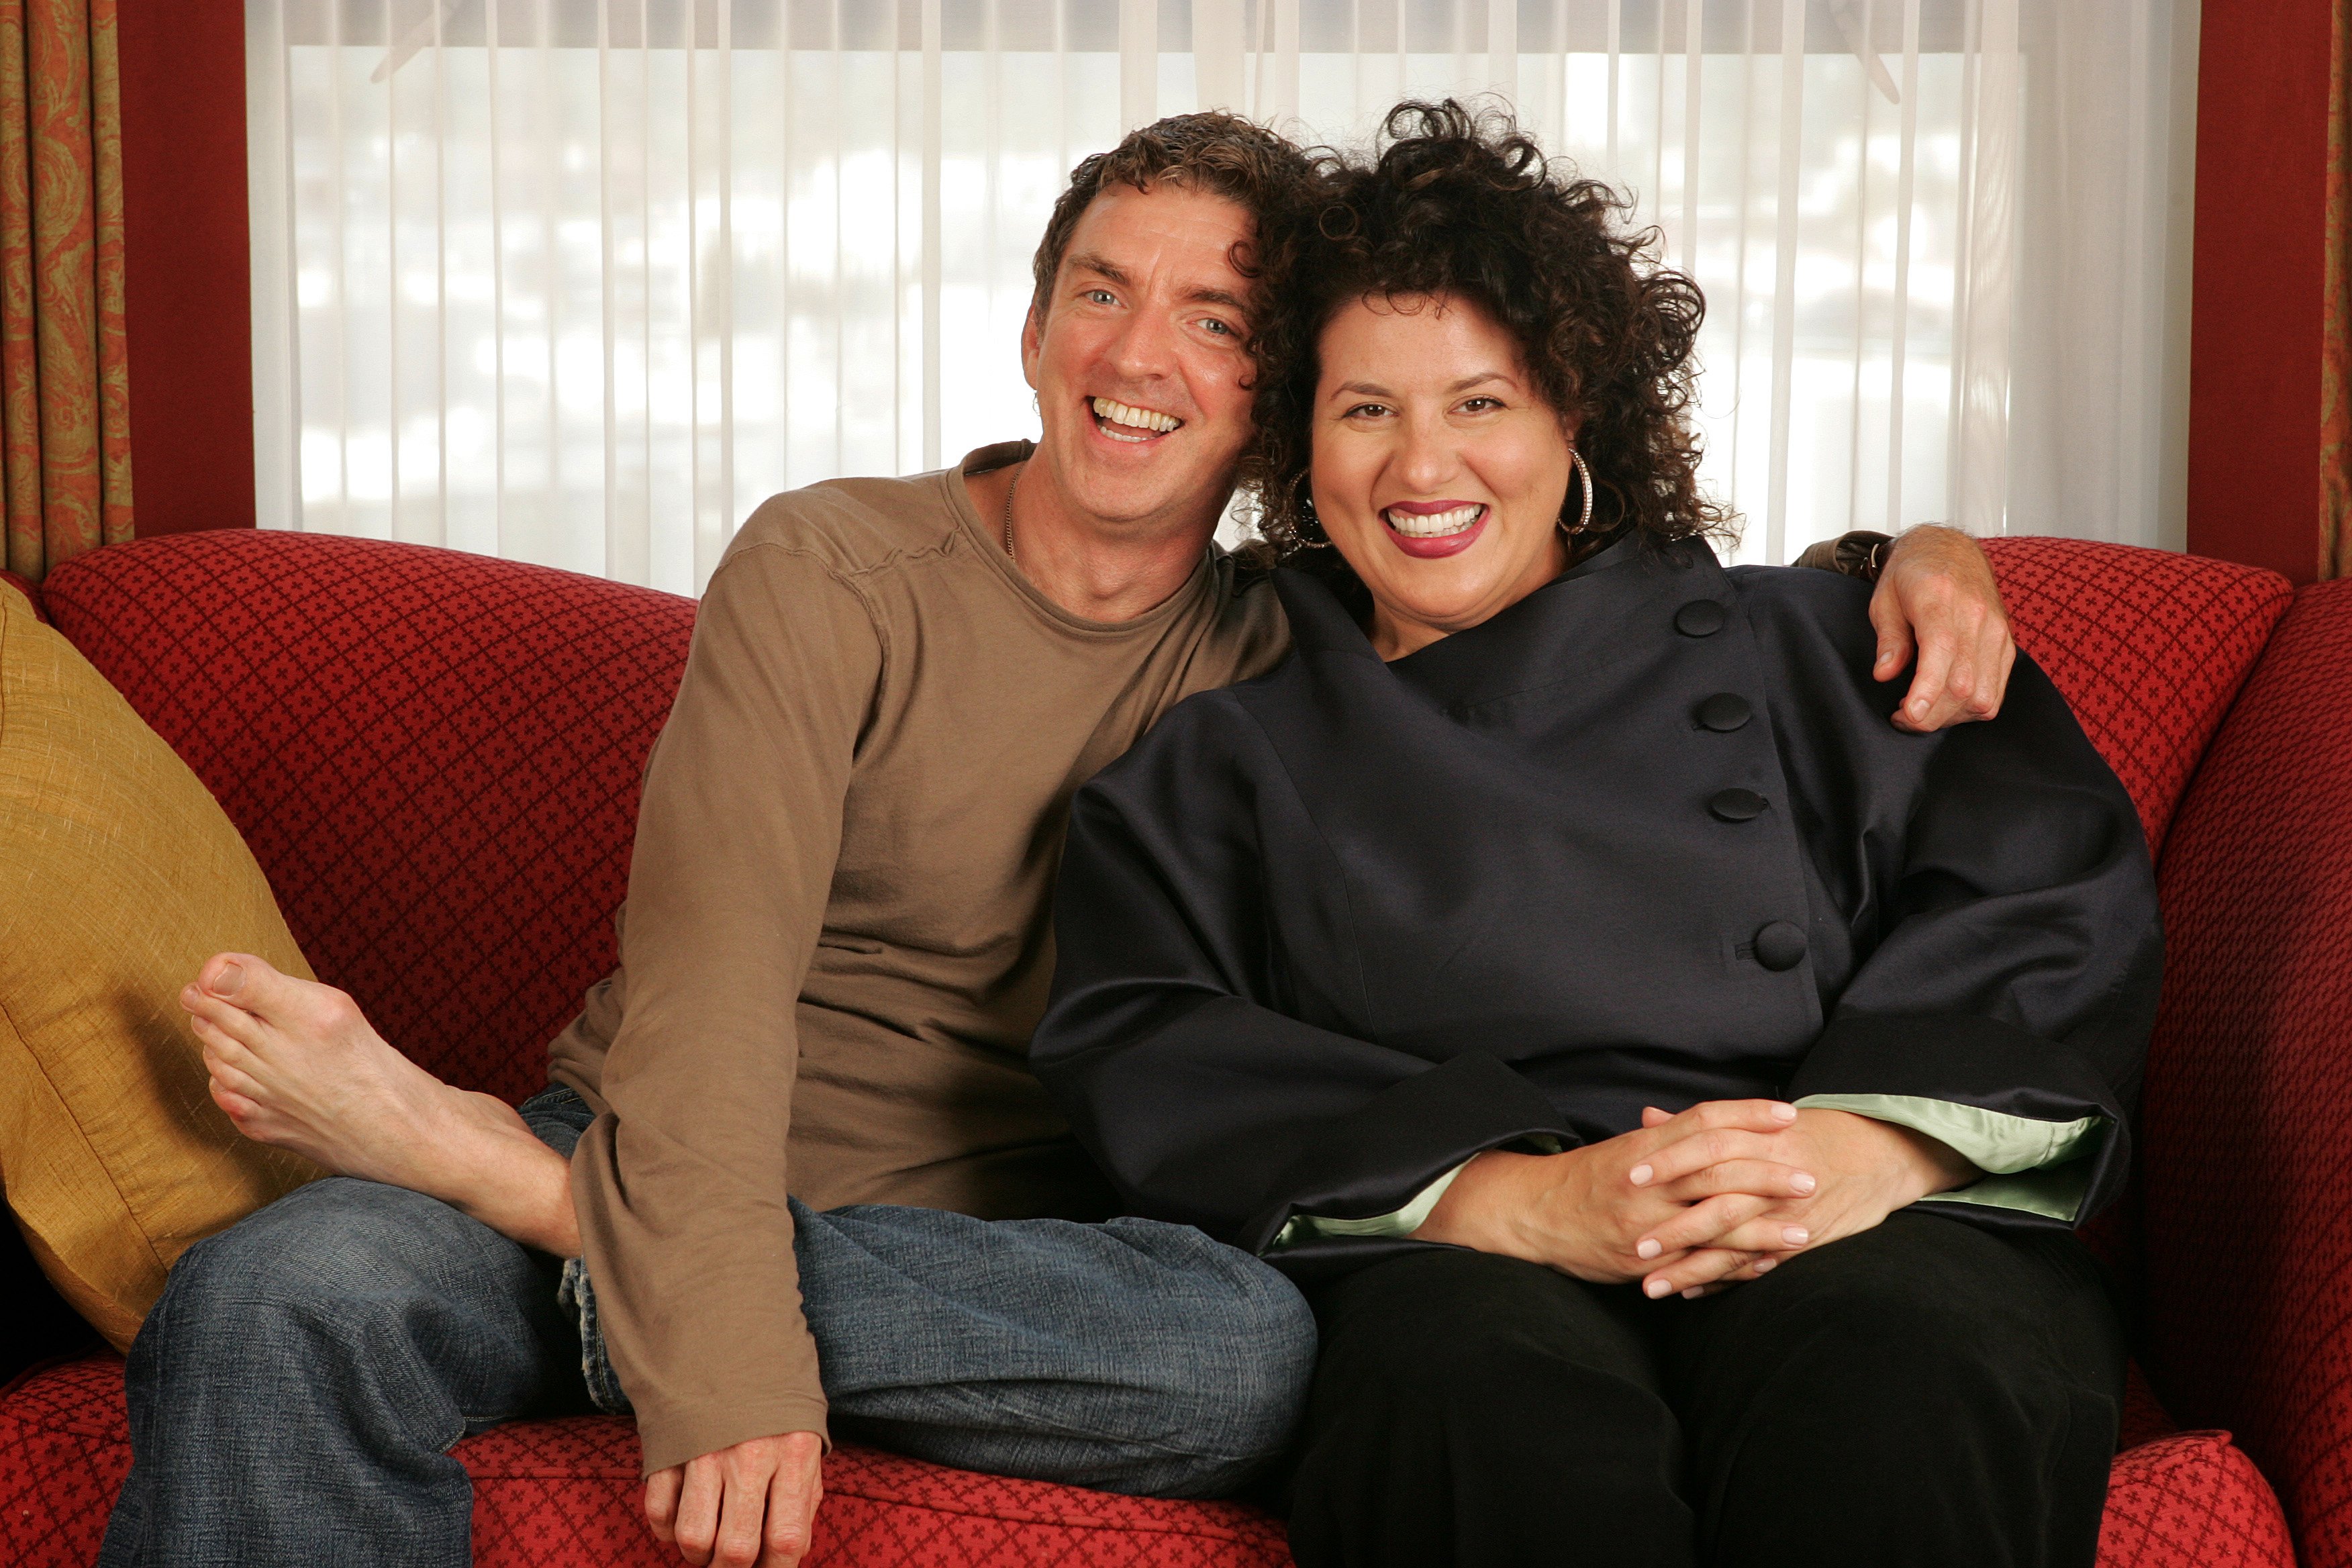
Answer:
(581, 282)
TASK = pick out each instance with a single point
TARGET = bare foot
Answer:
(296, 1065)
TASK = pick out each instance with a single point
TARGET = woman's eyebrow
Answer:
(1372, 389)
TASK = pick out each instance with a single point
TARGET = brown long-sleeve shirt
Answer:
(837, 942)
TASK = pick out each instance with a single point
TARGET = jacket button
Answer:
(1779, 946)
(1737, 805)
(1724, 713)
(1699, 619)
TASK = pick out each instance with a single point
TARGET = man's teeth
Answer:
(1432, 524)
(1141, 419)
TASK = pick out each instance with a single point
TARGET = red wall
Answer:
(2254, 334)
(189, 288)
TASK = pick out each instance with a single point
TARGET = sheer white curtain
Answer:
(581, 282)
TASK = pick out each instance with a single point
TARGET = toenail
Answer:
(226, 983)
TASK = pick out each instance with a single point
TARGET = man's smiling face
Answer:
(1141, 359)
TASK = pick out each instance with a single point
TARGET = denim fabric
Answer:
(296, 1392)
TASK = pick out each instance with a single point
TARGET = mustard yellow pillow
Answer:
(118, 876)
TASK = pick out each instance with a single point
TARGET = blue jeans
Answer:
(295, 1393)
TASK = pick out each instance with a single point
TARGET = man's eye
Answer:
(1212, 324)
(1102, 296)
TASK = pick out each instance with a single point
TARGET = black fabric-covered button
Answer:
(1699, 619)
(1724, 713)
(1779, 946)
(1737, 805)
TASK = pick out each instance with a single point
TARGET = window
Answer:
(581, 282)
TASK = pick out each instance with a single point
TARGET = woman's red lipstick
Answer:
(1430, 546)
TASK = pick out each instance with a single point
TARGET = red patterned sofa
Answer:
(434, 758)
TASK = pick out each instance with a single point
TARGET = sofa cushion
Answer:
(434, 756)
(564, 1494)
(2149, 646)
(119, 876)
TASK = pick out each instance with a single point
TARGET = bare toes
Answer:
(219, 1044)
(223, 973)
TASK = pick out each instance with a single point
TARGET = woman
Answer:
(1674, 1085)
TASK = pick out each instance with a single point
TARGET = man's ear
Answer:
(1033, 336)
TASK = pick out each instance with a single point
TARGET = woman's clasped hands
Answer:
(1693, 1203)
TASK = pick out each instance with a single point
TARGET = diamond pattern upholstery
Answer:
(434, 757)
(2150, 649)
(65, 1446)
(2249, 1193)
(564, 1494)
(2191, 1501)
(2149, 646)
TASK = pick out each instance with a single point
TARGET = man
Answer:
(834, 947)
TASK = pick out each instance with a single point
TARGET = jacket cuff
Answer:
(1395, 1223)
(2058, 1193)
(2041, 1167)
(2050, 1128)
(1992, 1141)
(1372, 1162)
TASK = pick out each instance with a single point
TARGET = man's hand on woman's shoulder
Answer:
(1936, 599)
(750, 1506)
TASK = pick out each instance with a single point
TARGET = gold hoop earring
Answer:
(1584, 480)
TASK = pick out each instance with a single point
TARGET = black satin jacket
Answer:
(1646, 837)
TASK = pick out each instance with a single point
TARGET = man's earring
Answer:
(1584, 480)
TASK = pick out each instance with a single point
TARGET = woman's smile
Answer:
(1434, 528)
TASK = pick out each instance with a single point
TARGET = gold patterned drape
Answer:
(64, 379)
(2335, 338)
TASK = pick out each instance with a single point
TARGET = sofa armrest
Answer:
(2246, 1144)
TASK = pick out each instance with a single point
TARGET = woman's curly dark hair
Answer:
(1464, 204)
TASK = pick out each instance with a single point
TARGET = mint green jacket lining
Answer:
(2039, 1167)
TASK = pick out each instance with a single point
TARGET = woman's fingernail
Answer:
(1653, 1289)
(1640, 1175)
(1796, 1235)
(1766, 1264)
(1647, 1247)
(1782, 1113)
(1803, 1182)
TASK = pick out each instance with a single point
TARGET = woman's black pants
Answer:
(1927, 1393)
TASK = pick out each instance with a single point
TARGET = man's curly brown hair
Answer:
(1463, 204)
